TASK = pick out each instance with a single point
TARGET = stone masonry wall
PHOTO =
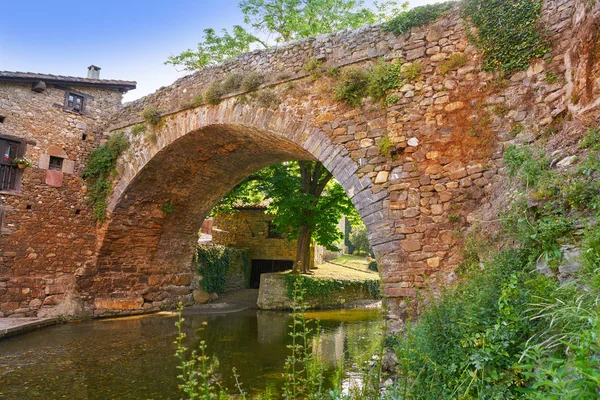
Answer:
(448, 133)
(48, 233)
(248, 229)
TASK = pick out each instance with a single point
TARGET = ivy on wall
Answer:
(507, 32)
(214, 262)
(100, 166)
(418, 16)
(324, 287)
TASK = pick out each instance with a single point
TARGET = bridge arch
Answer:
(199, 155)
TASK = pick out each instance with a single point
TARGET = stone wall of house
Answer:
(249, 229)
(48, 234)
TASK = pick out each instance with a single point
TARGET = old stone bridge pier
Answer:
(418, 169)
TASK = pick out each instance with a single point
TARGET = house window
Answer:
(55, 163)
(8, 171)
(272, 234)
(75, 102)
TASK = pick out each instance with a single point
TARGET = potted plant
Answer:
(22, 162)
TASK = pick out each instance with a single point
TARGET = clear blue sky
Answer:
(128, 39)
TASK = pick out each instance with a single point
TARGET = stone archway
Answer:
(145, 253)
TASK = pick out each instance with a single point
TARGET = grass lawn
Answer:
(352, 260)
(328, 270)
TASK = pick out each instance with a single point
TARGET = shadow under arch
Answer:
(145, 247)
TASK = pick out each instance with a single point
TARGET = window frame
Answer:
(74, 95)
(58, 166)
(14, 181)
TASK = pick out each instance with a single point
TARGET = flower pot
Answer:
(22, 166)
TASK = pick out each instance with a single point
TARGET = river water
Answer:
(133, 358)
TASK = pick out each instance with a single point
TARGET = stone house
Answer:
(51, 121)
(252, 229)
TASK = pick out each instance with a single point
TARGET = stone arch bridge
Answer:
(444, 164)
(418, 167)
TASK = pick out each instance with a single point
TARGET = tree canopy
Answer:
(304, 199)
(280, 21)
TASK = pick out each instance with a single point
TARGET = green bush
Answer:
(591, 140)
(137, 129)
(267, 98)
(416, 17)
(313, 66)
(507, 32)
(252, 81)
(352, 86)
(212, 94)
(382, 78)
(385, 146)
(468, 344)
(100, 166)
(455, 61)
(360, 239)
(528, 167)
(373, 266)
(152, 116)
(411, 72)
(232, 82)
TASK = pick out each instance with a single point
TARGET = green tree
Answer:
(306, 201)
(359, 238)
(281, 21)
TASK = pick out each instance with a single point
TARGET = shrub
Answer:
(416, 17)
(455, 61)
(267, 98)
(198, 99)
(137, 129)
(152, 116)
(385, 146)
(411, 72)
(352, 86)
(517, 128)
(382, 78)
(252, 81)
(212, 94)
(529, 168)
(591, 140)
(360, 239)
(373, 266)
(551, 78)
(313, 65)
(232, 82)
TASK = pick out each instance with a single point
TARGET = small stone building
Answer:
(51, 121)
(252, 229)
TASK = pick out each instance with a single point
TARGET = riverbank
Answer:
(16, 326)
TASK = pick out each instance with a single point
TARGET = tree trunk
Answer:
(314, 179)
(302, 264)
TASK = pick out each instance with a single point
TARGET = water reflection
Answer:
(132, 358)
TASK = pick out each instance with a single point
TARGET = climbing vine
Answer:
(214, 262)
(100, 166)
(323, 288)
(507, 33)
(418, 16)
